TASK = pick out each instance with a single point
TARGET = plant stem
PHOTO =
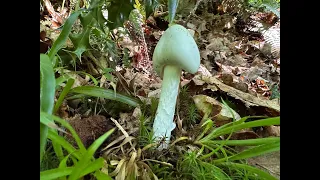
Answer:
(163, 123)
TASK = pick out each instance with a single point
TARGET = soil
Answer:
(91, 128)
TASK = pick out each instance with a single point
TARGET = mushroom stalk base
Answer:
(163, 123)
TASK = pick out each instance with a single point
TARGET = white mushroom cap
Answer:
(176, 47)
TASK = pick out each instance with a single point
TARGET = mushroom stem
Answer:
(163, 123)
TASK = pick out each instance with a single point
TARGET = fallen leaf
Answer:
(247, 98)
(213, 109)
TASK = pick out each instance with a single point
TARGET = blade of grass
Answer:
(217, 172)
(94, 80)
(217, 149)
(95, 165)
(257, 123)
(76, 173)
(77, 96)
(63, 95)
(172, 8)
(247, 142)
(262, 174)
(105, 93)
(45, 121)
(63, 164)
(47, 92)
(70, 128)
(240, 121)
(221, 127)
(101, 176)
(55, 173)
(64, 143)
(252, 152)
(61, 80)
(61, 40)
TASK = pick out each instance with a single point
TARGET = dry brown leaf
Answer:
(247, 98)
(211, 108)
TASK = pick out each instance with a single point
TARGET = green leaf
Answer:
(61, 40)
(257, 123)
(82, 164)
(81, 40)
(172, 8)
(95, 165)
(47, 89)
(55, 173)
(237, 126)
(53, 136)
(247, 142)
(101, 176)
(63, 162)
(48, 122)
(150, 6)
(253, 152)
(260, 173)
(72, 131)
(105, 93)
(118, 12)
(61, 80)
(63, 94)
(47, 92)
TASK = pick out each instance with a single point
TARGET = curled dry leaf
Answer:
(213, 109)
(247, 98)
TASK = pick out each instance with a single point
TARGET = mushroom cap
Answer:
(176, 47)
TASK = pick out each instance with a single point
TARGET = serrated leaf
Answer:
(60, 42)
(118, 12)
(81, 41)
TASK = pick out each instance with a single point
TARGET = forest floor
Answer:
(240, 63)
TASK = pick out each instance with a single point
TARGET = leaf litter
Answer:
(234, 65)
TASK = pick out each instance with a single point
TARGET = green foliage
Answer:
(191, 167)
(63, 94)
(172, 8)
(216, 151)
(254, 172)
(187, 107)
(50, 160)
(61, 40)
(268, 5)
(84, 163)
(215, 160)
(118, 12)
(47, 92)
(105, 93)
(81, 40)
(275, 92)
(145, 131)
(192, 115)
